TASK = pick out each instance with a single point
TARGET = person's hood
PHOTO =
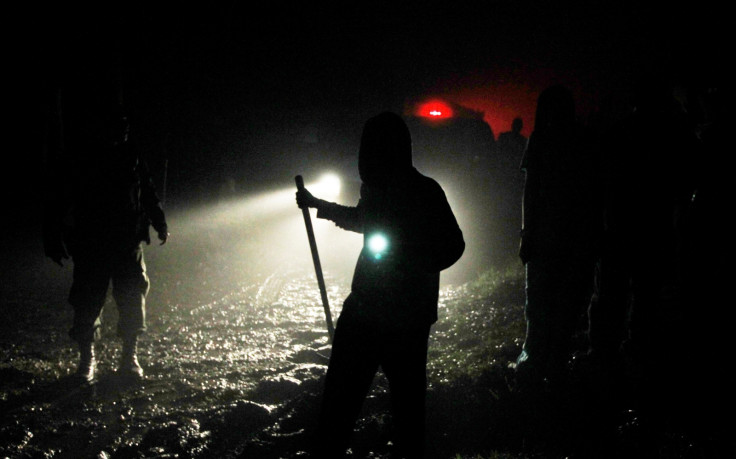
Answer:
(385, 149)
(555, 109)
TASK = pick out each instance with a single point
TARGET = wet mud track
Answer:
(234, 368)
(218, 372)
(234, 354)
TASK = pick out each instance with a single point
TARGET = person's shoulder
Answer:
(427, 184)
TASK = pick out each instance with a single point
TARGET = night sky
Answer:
(230, 90)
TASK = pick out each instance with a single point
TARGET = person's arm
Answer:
(346, 217)
(53, 235)
(56, 199)
(151, 203)
(447, 243)
(529, 205)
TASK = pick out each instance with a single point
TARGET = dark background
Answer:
(243, 95)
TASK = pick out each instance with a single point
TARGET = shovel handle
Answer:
(315, 259)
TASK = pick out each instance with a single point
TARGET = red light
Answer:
(435, 109)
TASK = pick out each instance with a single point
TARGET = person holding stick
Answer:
(410, 234)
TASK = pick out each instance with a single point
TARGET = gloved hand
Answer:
(305, 199)
(163, 236)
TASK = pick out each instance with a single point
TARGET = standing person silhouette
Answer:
(649, 186)
(561, 225)
(410, 234)
(100, 207)
(508, 153)
(641, 308)
(512, 144)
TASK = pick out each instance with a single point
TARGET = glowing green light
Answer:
(377, 244)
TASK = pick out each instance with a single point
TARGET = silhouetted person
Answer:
(100, 206)
(512, 143)
(648, 191)
(708, 315)
(636, 314)
(559, 235)
(508, 153)
(410, 234)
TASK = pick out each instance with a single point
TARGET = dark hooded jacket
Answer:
(562, 196)
(412, 212)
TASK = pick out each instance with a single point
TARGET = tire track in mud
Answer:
(286, 334)
(217, 374)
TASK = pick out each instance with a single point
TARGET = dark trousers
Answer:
(558, 291)
(358, 349)
(95, 267)
(630, 303)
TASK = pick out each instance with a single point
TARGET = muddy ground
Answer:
(236, 352)
(234, 355)
(234, 366)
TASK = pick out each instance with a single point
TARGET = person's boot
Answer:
(129, 366)
(87, 362)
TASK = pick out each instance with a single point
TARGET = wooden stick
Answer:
(315, 258)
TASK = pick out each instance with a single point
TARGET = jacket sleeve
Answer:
(346, 217)
(447, 242)
(54, 210)
(150, 201)
(531, 197)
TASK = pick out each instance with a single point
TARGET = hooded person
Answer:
(410, 234)
(562, 221)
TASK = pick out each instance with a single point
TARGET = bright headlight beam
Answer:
(328, 187)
